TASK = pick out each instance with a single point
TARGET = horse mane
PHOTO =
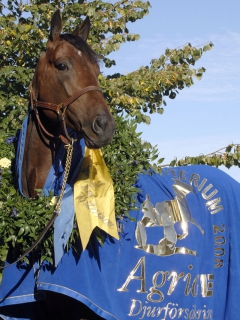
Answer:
(81, 45)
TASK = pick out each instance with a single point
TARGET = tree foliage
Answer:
(24, 29)
(228, 156)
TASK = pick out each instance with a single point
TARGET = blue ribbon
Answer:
(20, 154)
(63, 224)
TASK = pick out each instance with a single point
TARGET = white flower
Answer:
(5, 163)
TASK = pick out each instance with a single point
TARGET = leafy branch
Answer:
(228, 156)
(144, 90)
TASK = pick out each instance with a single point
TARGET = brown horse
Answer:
(64, 99)
(64, 92)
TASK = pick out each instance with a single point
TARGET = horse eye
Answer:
(62, 66)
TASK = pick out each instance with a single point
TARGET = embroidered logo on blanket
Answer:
(165, 215)
(167, 281)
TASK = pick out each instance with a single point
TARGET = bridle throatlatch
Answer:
(60, 109)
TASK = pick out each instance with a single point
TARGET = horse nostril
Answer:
(99, 124)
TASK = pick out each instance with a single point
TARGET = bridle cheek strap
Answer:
(60, 109)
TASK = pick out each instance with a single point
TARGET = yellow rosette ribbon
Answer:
(94, 197)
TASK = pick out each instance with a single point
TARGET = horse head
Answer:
(65, 97)
(66, 77)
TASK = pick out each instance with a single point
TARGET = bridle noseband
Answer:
(60, 109)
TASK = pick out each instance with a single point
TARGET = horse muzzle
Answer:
(101, 133)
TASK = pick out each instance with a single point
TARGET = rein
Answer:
(60, 109)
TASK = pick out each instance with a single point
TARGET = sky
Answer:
(206, 116)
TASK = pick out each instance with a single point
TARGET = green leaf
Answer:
(21, 231)
(160, 160)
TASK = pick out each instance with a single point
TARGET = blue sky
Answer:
(205, 117)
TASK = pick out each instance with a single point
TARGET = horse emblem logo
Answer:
(166, 214)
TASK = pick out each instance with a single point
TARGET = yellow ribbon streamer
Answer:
(94, 197)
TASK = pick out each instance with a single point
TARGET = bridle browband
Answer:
(60, 109)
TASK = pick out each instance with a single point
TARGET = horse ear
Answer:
(83, 30)
(56, 26)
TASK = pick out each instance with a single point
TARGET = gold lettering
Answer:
(158, 311)
(218, 263)
(206, 281)
(210, 314)
(183, 174)
(156, 292)
(133, 307)
(204, 192)
(198, 314)
(186, 312)
(204, 312)
(217, 229)
(171, 315)
(219, 240)
(212, 204)
(151, 312)
(153, 290)
(173, 172)
(194, 289)
(144, 312)
(166, 171)
(180, 312)
(141, 263)
(175, 277)
(194, 178)
(166, 310)
(218, 252)
(188, 279)
(155, 277)
(202, 184)
(192, 314)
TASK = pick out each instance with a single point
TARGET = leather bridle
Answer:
(60, 109)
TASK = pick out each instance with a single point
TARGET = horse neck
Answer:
(39, 155)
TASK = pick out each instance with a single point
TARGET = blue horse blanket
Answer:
(178, 259)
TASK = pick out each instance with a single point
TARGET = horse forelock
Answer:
(81, 45)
